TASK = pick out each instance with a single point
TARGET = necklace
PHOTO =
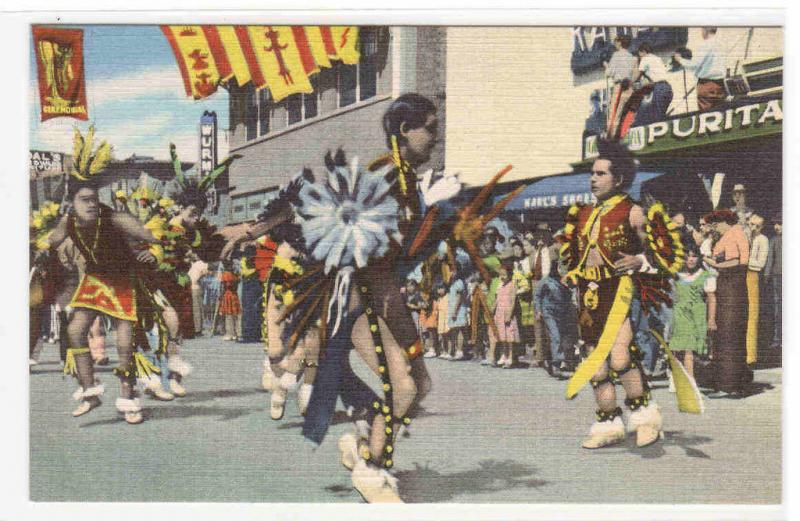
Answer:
(96, 240)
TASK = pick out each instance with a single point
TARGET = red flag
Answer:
(59, 65)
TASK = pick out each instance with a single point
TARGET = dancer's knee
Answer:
(77, 330)
(601, 374)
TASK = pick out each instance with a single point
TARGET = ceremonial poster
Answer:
(287, 266)
(59, 60)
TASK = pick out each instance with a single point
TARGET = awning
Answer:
(565, 190)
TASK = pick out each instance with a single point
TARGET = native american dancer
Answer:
(363, 231)
(279, 260)
(109, 286)
(616, 253)
(179, 237)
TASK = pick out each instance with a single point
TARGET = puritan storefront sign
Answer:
(702, 128)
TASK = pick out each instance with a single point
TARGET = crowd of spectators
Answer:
(726, 301)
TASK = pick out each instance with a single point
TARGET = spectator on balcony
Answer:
(620, 70)
(653, 74)
(708, 66)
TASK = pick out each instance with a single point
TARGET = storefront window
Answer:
(48, 188)
(34, 196)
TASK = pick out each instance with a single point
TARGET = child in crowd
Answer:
(229, 306)
(694, 310)
(442, 324)
(457, 313)
(428, 318)
(507, 327)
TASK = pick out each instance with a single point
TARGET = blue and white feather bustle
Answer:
(349, 217)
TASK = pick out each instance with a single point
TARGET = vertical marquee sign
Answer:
(208, 154)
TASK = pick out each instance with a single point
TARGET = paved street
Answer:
(486, 435)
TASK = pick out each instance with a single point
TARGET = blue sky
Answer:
(135, 95)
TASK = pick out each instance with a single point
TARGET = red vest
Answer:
(615, 235)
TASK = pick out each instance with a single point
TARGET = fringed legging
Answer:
(77, 330)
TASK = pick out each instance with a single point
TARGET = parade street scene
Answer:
(406, 264)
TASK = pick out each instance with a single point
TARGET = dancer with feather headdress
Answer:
(178, 236)
(364, 230)
(616, 252)
(108, 241)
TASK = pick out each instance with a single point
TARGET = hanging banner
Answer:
(59, 65)
(280, 58)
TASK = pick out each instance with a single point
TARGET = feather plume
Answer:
(77, 146)
(176, 166)
(88, 142)
(101, 158)
(223, 166)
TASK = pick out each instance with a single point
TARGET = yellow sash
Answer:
(617, 315)
(686, 391)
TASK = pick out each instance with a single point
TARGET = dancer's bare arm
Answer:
(131, 228)
(134, 233)
(254, 231)
(59, 233)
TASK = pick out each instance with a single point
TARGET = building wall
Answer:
(512, 97)
(414, 61)
(431, 81)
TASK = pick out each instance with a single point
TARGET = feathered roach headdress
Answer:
(145, 192)
(191, 191)
(87, 165)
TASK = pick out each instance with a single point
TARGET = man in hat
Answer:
(740, 207)
(541, 258)
(759, 250)
(773, 275)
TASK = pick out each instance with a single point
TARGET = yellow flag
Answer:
(233, 49)
(345, 40)
(191, 48)
(279, 60)
(317, 45)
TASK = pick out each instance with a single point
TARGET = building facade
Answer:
(46, 171)
(277, 140)
(515, 96)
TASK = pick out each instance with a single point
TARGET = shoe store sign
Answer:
(45, 164)
(702, 128)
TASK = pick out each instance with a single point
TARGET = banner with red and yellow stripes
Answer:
(280, 58)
